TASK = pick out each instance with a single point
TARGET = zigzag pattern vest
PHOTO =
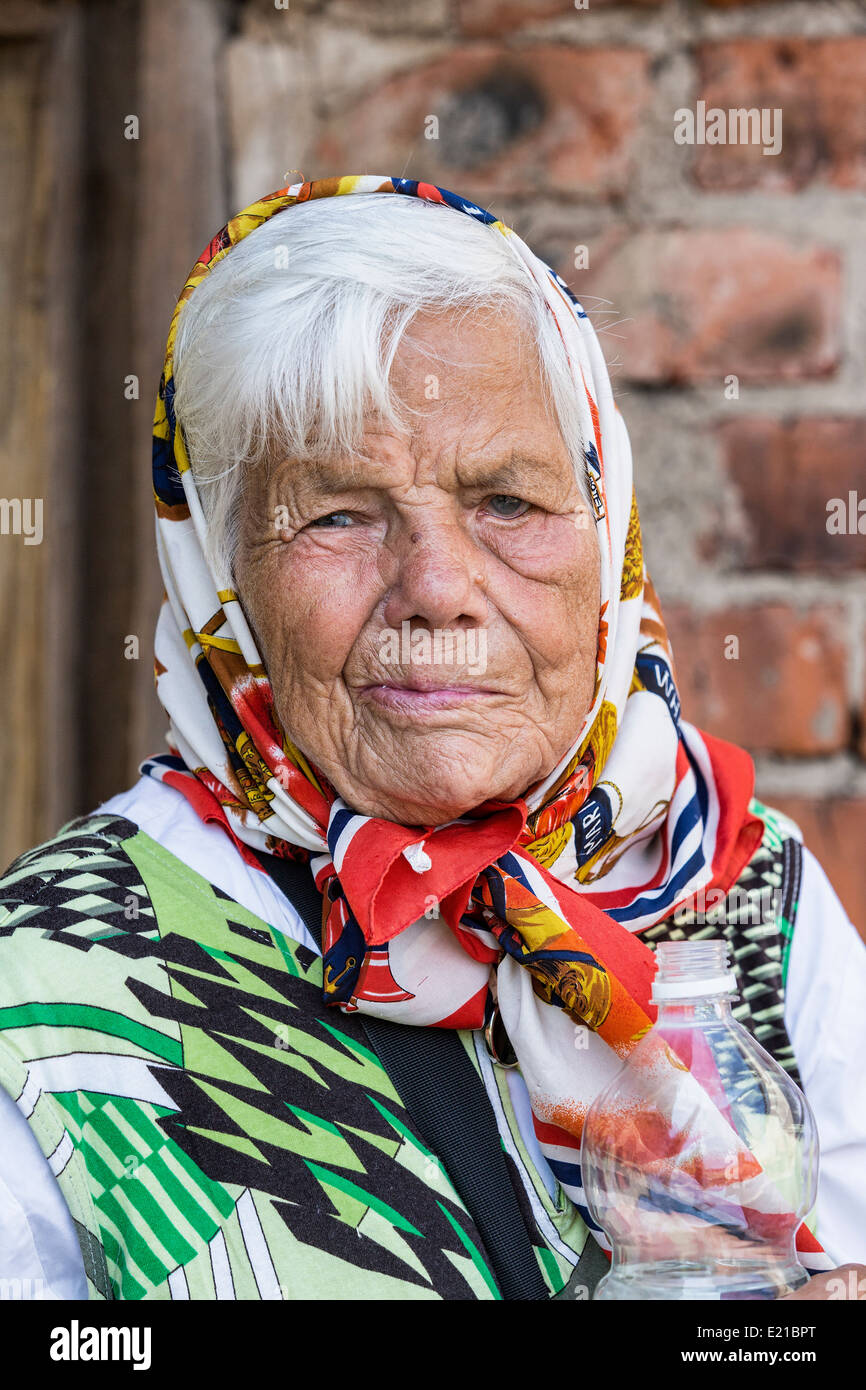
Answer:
(217, 1132)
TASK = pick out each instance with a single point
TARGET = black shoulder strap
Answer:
(450, 1107)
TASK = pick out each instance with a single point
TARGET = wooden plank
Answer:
(156, 201)
(111, 197)
(38, 571)
(64, 626)
(27, 19)
(97, 235)
(184, 182)
(22, 449)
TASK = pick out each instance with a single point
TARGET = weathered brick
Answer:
(262, 17)
(782, 689)
(493, 18)
(835, 831)
(700, 304)
(392, 16)
(546, 118)
(820, 87)
(795, 479)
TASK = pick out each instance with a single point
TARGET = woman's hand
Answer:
(846, 1282)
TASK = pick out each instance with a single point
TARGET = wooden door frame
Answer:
(121, 221)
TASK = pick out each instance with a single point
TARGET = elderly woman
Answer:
(318, 1007)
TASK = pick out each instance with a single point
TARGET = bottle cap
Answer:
(692, 969)
(689, 989)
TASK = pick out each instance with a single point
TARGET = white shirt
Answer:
(825, 1018)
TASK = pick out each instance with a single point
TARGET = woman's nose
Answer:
(439, 577)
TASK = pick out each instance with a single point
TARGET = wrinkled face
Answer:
(427, 610)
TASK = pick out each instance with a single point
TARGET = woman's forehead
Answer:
(395, 462)
(477, 415)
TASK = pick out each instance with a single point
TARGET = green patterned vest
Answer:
(216, 1132)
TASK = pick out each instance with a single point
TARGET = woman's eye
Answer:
(506, 507)
(336, 519)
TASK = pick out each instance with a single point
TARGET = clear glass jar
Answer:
(700, 1157)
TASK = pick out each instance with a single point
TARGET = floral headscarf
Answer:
(537, 904)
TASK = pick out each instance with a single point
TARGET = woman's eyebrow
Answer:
(321, 479)
(499, 476)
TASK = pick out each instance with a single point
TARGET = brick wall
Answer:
(729, 286)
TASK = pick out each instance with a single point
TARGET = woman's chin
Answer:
(435, 780)
(431, 805)
(422, 813)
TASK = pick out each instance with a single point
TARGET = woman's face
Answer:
(427, 610)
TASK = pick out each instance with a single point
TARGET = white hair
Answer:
(286, 346)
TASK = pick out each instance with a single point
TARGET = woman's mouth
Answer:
(412, 700)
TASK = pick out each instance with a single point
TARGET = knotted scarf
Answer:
(533, 907)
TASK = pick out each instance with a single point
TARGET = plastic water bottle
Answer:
(700, 1157)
